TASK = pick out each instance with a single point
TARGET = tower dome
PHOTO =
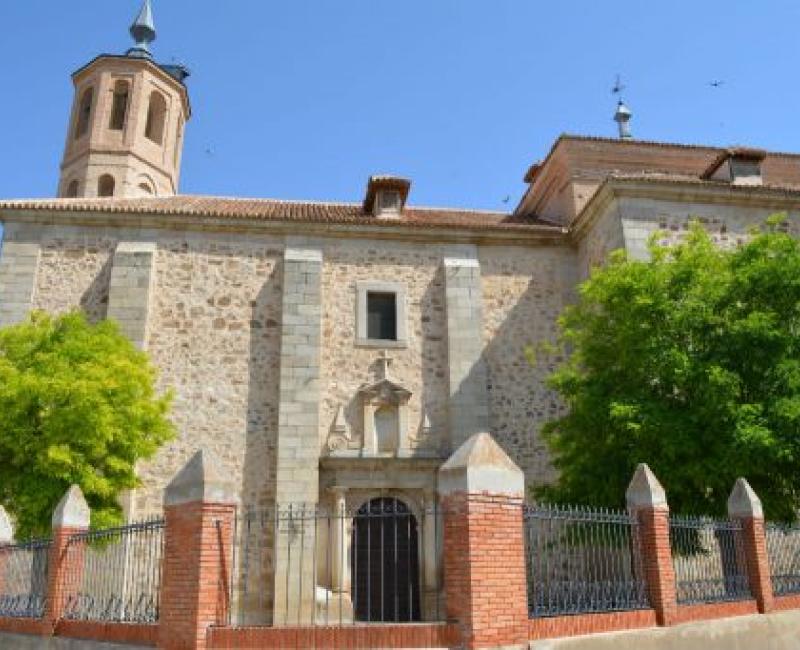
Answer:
(125, 136)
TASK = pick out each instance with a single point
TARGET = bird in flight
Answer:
(715, 84)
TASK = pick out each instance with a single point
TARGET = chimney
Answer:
(386, 196)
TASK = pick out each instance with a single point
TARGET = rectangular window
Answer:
(381, 316)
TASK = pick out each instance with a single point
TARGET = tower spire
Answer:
(143, 32)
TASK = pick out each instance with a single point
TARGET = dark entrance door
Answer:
(385, 561)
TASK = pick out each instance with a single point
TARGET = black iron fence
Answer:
(582, 560)
(709, 561)
(310, 565)
(115, 574)
(23, 579)
(783, 549)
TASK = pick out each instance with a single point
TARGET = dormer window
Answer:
(386, 196)
(742, 168)
(389, 201)
(738, 166)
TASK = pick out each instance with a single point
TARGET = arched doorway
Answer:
(385, 562)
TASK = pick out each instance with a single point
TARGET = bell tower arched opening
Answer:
(106, 185)
(84, 115)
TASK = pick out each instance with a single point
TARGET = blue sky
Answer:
(304, 99)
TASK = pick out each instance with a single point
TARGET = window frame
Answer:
(363, 289)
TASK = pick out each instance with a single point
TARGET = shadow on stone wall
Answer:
(94, 301)
(519, 400)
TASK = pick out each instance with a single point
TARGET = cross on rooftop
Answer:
(385, 360)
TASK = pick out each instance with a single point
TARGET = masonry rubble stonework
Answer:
(254, 311)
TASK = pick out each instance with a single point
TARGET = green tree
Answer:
(690, 362)
(77, 405)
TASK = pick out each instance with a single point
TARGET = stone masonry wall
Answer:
(421, 367)
(74, 271)
(603, 236)
(728, 225)
(214, 334)
(524, 293)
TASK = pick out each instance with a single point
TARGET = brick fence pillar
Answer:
(199, 509)
(484, 558)
(6, 539)
(64, 568)
(647, 502)
(745, 506)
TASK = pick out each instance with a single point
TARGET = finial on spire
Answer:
(623, 114)
(143, 32)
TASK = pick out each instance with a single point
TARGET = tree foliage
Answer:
(77, 405)
(690, 362)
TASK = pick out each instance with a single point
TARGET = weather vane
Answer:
(618, 88)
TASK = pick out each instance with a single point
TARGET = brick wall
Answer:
(374, 636)
(196, 568)
(484, 566)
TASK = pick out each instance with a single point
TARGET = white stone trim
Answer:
(131, 288)
(72, 511)
(744, 502)
(19, 265)
(399, 290)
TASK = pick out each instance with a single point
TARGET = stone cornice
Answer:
(527, 236)
(680, 191)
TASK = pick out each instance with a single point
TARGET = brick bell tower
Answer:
(125, 134)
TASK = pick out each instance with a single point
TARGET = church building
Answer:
(336, 354)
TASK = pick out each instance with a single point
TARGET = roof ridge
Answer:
(220, 197)
(467, 210)
(245, 199)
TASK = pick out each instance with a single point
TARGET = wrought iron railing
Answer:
(783, 548)
(582, 560)
(115, 574)
(709, 561)
(309, 565)
(23, 579)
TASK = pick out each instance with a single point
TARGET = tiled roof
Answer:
(686, 179)
(287, 211)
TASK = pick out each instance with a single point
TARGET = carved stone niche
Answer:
(385, 406)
